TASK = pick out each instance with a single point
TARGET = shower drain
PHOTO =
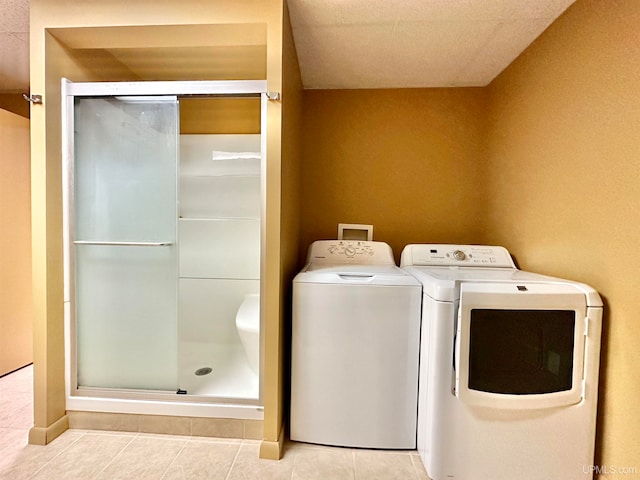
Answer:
(203, 371)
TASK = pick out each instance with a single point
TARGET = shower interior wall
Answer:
(219, 232)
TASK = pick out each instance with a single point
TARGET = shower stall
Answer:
(163, 230)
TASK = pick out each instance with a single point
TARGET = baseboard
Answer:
(273, 450)
(46, 435)
(167, 424)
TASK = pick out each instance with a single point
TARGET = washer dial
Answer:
(458, 255)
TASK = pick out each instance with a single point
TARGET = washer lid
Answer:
(354, 269)
(356, 274)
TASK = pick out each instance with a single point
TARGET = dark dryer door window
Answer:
(521, 351)
(520, 346)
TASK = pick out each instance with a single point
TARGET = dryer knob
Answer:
(459, 255)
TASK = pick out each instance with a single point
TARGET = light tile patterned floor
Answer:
(85, 455)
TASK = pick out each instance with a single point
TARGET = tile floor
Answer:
(85, 455)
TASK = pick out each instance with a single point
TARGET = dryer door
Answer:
(520, 346)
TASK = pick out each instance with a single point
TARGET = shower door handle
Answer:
(124, 244)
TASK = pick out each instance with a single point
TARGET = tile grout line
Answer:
(55, 456)
(234, 462)
(415, 468)
(284, 452)
(353, 461)
(293, 461)
(116, 456)
(164, 474)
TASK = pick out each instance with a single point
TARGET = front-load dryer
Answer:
(355, 342)
(508, 369)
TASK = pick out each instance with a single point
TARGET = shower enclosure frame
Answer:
(137, 401)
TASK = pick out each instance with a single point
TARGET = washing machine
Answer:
(355, 346)
(508, 369)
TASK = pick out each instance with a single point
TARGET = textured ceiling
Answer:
(413, 43)
(14, 45)
(363, 43)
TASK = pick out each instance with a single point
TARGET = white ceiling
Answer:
(14, 46)
(368, 43)
(414, 43)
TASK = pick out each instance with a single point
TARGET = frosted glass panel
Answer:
(227, 248)
(126, 191)
(221, 197)
(126, 317)
(125, 169)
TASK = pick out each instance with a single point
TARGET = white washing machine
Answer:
(355, 342)
(508, 369)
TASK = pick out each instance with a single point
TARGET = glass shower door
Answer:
(124, 237)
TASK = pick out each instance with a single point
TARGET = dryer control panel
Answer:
(456, 256)
(350, 251)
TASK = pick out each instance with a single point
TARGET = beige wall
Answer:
(88, 41)
(219, 116)
(410, 162)
(564, 184)
(46, 229)
(14, 102)
(16, 342)
(291, 198)
(283, 165)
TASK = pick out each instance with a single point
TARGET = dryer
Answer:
(355, 343)
(508, 368)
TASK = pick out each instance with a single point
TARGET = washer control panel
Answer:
(456, 255)
(350, 251)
